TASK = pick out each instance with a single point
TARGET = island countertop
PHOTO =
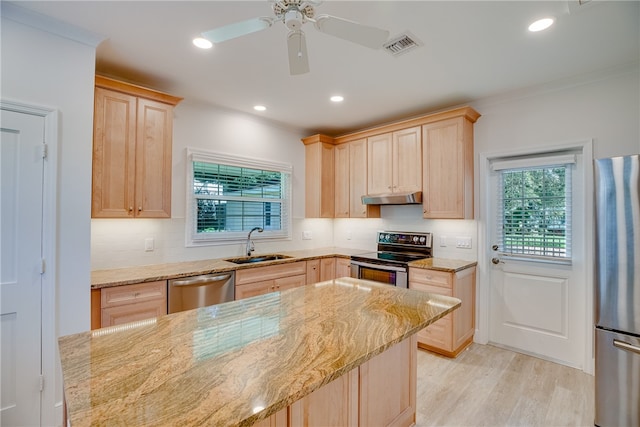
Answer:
(238, 362)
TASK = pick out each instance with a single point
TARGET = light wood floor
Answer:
(489, 386)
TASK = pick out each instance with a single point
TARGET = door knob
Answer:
(496, 261)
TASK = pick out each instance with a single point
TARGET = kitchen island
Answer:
(262, 359)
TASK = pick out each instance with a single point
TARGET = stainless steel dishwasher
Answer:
(187, 293)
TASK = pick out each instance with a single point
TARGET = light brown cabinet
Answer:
(342, 188)
(252, 282)
(320, 270)
(358, 176)
(448, 167)
(454, 332)
(343, 267)
(129, 303)
(394, 161)
(132, 138)
(319, 177)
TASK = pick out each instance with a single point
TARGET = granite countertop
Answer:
(149, 273)
(443, 264)
(238, 362)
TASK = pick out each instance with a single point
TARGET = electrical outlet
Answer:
(463, 242)
(443, 241)
(148, 244)
(348, 235)
(307, 235)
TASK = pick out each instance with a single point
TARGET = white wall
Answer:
(45, 70)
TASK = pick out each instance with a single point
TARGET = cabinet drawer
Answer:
(432, 277)
(128, 294)
(438, 290)
(251, 275)
(291, 282)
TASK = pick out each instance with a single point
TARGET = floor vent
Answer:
(401, 44)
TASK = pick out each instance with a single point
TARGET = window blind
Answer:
(535, 207)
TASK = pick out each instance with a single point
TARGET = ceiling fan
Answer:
(294, 13)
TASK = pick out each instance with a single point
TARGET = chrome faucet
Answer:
(250, 246)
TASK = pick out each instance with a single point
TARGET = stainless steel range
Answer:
(390, 263)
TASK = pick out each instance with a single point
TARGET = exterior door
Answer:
(21, 175)
(536, 238)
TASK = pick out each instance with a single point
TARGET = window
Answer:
(228, 196)
(534, 207)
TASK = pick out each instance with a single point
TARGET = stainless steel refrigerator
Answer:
(617, 299)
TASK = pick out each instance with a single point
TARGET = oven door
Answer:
(389, 274)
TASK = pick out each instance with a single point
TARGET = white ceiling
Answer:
(471, 50)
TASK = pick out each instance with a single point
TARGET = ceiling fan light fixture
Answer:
(337, 98)
(259, 108)
(540, 24)
(202, 43)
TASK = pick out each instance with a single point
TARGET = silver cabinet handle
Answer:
(199, 280)
(626, 346)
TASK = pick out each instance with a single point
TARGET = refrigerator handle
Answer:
(626, 346)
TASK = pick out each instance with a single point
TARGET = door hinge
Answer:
(44, 150)
(41, 382)
(43, 266)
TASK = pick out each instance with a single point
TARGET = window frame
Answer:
(566, 161)
(195, 239)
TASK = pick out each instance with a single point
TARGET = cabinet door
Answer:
(343, 267)
(327, 269)
(448, 172)
(114, 144)
(388, 386)
(254, 289)
(407, 160)
(279, 419)
(319, 180)
(284, 283)
(358, 181)
(342, 181)
(153, 159)
(133, 312)
(313, 271)
(379, 154)
(334, 404)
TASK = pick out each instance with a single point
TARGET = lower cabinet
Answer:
(380, 392)
(454, 332)
(131, 303)
(252, 282)
(343, 267)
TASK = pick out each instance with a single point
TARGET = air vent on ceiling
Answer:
(401, 44)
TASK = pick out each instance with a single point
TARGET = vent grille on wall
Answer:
(401, 44)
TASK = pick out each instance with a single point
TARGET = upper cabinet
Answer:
(396, 158)
(448, 172)
(132, 139)
(432, 153)
(319, 177)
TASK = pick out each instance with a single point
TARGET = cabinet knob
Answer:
(130, 208)
(139, 208)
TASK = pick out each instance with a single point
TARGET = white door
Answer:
(537, 256)
(21, 175)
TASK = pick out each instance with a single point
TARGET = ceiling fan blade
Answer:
(352, 31)
(297, 47)
(237, 29)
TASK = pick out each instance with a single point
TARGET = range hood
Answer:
(405, 198)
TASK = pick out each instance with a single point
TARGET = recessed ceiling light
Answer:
(337, 98)
(541, 24)
(259, 107)
(202, 43)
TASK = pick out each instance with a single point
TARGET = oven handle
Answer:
(378, 266)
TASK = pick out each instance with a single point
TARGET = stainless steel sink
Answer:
(257, 258)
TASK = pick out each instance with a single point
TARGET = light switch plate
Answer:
(307, 235)
(463, 242)
(443, 241)
(148, 244)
